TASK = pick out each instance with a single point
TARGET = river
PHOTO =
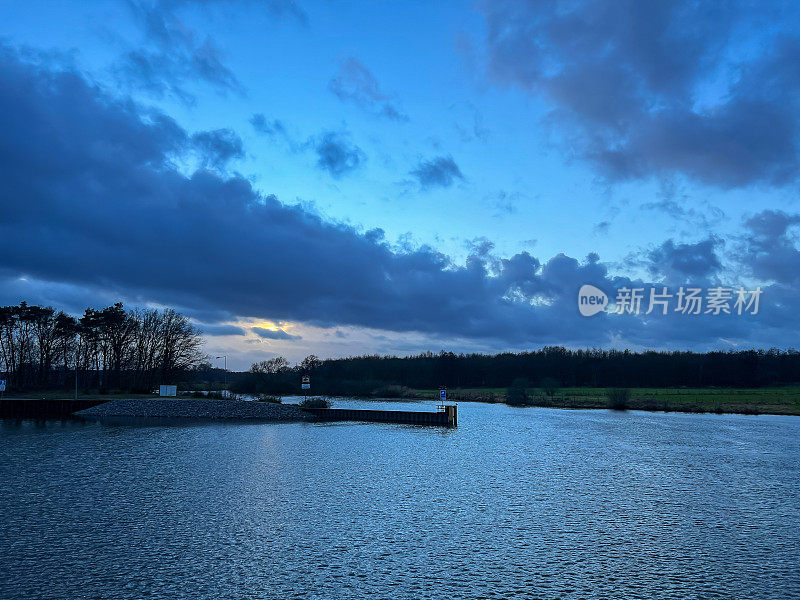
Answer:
(514, 503)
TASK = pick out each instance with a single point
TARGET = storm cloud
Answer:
(681, 262)
(92, 200)
(273, 334)
(218, 147)
(769, 247)
(221, 329)
(643, 89)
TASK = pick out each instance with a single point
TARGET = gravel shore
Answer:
(196, 409)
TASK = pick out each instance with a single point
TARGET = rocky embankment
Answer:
(194, 408)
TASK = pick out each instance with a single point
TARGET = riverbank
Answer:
(192, 408)
(774, 400)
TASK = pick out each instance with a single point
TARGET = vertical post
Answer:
(225, 374)
(77, 360)
(452, 415)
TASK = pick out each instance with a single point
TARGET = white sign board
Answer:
(168, 390)
(2, 385)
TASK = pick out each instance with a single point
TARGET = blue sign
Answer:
(443, 394)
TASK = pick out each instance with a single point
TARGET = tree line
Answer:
(363, 375)
(108, 349)
(135, 350)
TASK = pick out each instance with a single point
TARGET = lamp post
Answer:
(77, 362)
(225, 356)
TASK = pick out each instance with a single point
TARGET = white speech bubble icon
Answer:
(591, 300)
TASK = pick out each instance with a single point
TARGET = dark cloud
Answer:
(93, 201)
(653, 88)
(269, 128)
(769, 248)
(218, 147)
(175, 55)
(273, 334)
(217, 330)
(679, 263)
(355, 83)
(336, 154)
(441, 171)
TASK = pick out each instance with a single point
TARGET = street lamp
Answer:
(225, 356)
(77, 361)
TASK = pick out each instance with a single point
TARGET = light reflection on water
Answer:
(513, 503)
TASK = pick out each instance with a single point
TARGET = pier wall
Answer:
(33, 408)
(446, 418)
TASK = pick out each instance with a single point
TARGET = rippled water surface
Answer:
(515, 503)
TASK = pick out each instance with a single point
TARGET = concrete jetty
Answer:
(212, 409)
(39, 408)
(197, 408)
(445, 416)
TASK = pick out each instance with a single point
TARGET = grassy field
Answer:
(776, 400)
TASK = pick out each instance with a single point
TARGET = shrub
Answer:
(550, 386)
(516, 395)
(618, 398)
(315, 402)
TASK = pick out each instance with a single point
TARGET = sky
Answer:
(397, 177)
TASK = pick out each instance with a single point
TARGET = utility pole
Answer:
(225, 375)
(77, 360)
